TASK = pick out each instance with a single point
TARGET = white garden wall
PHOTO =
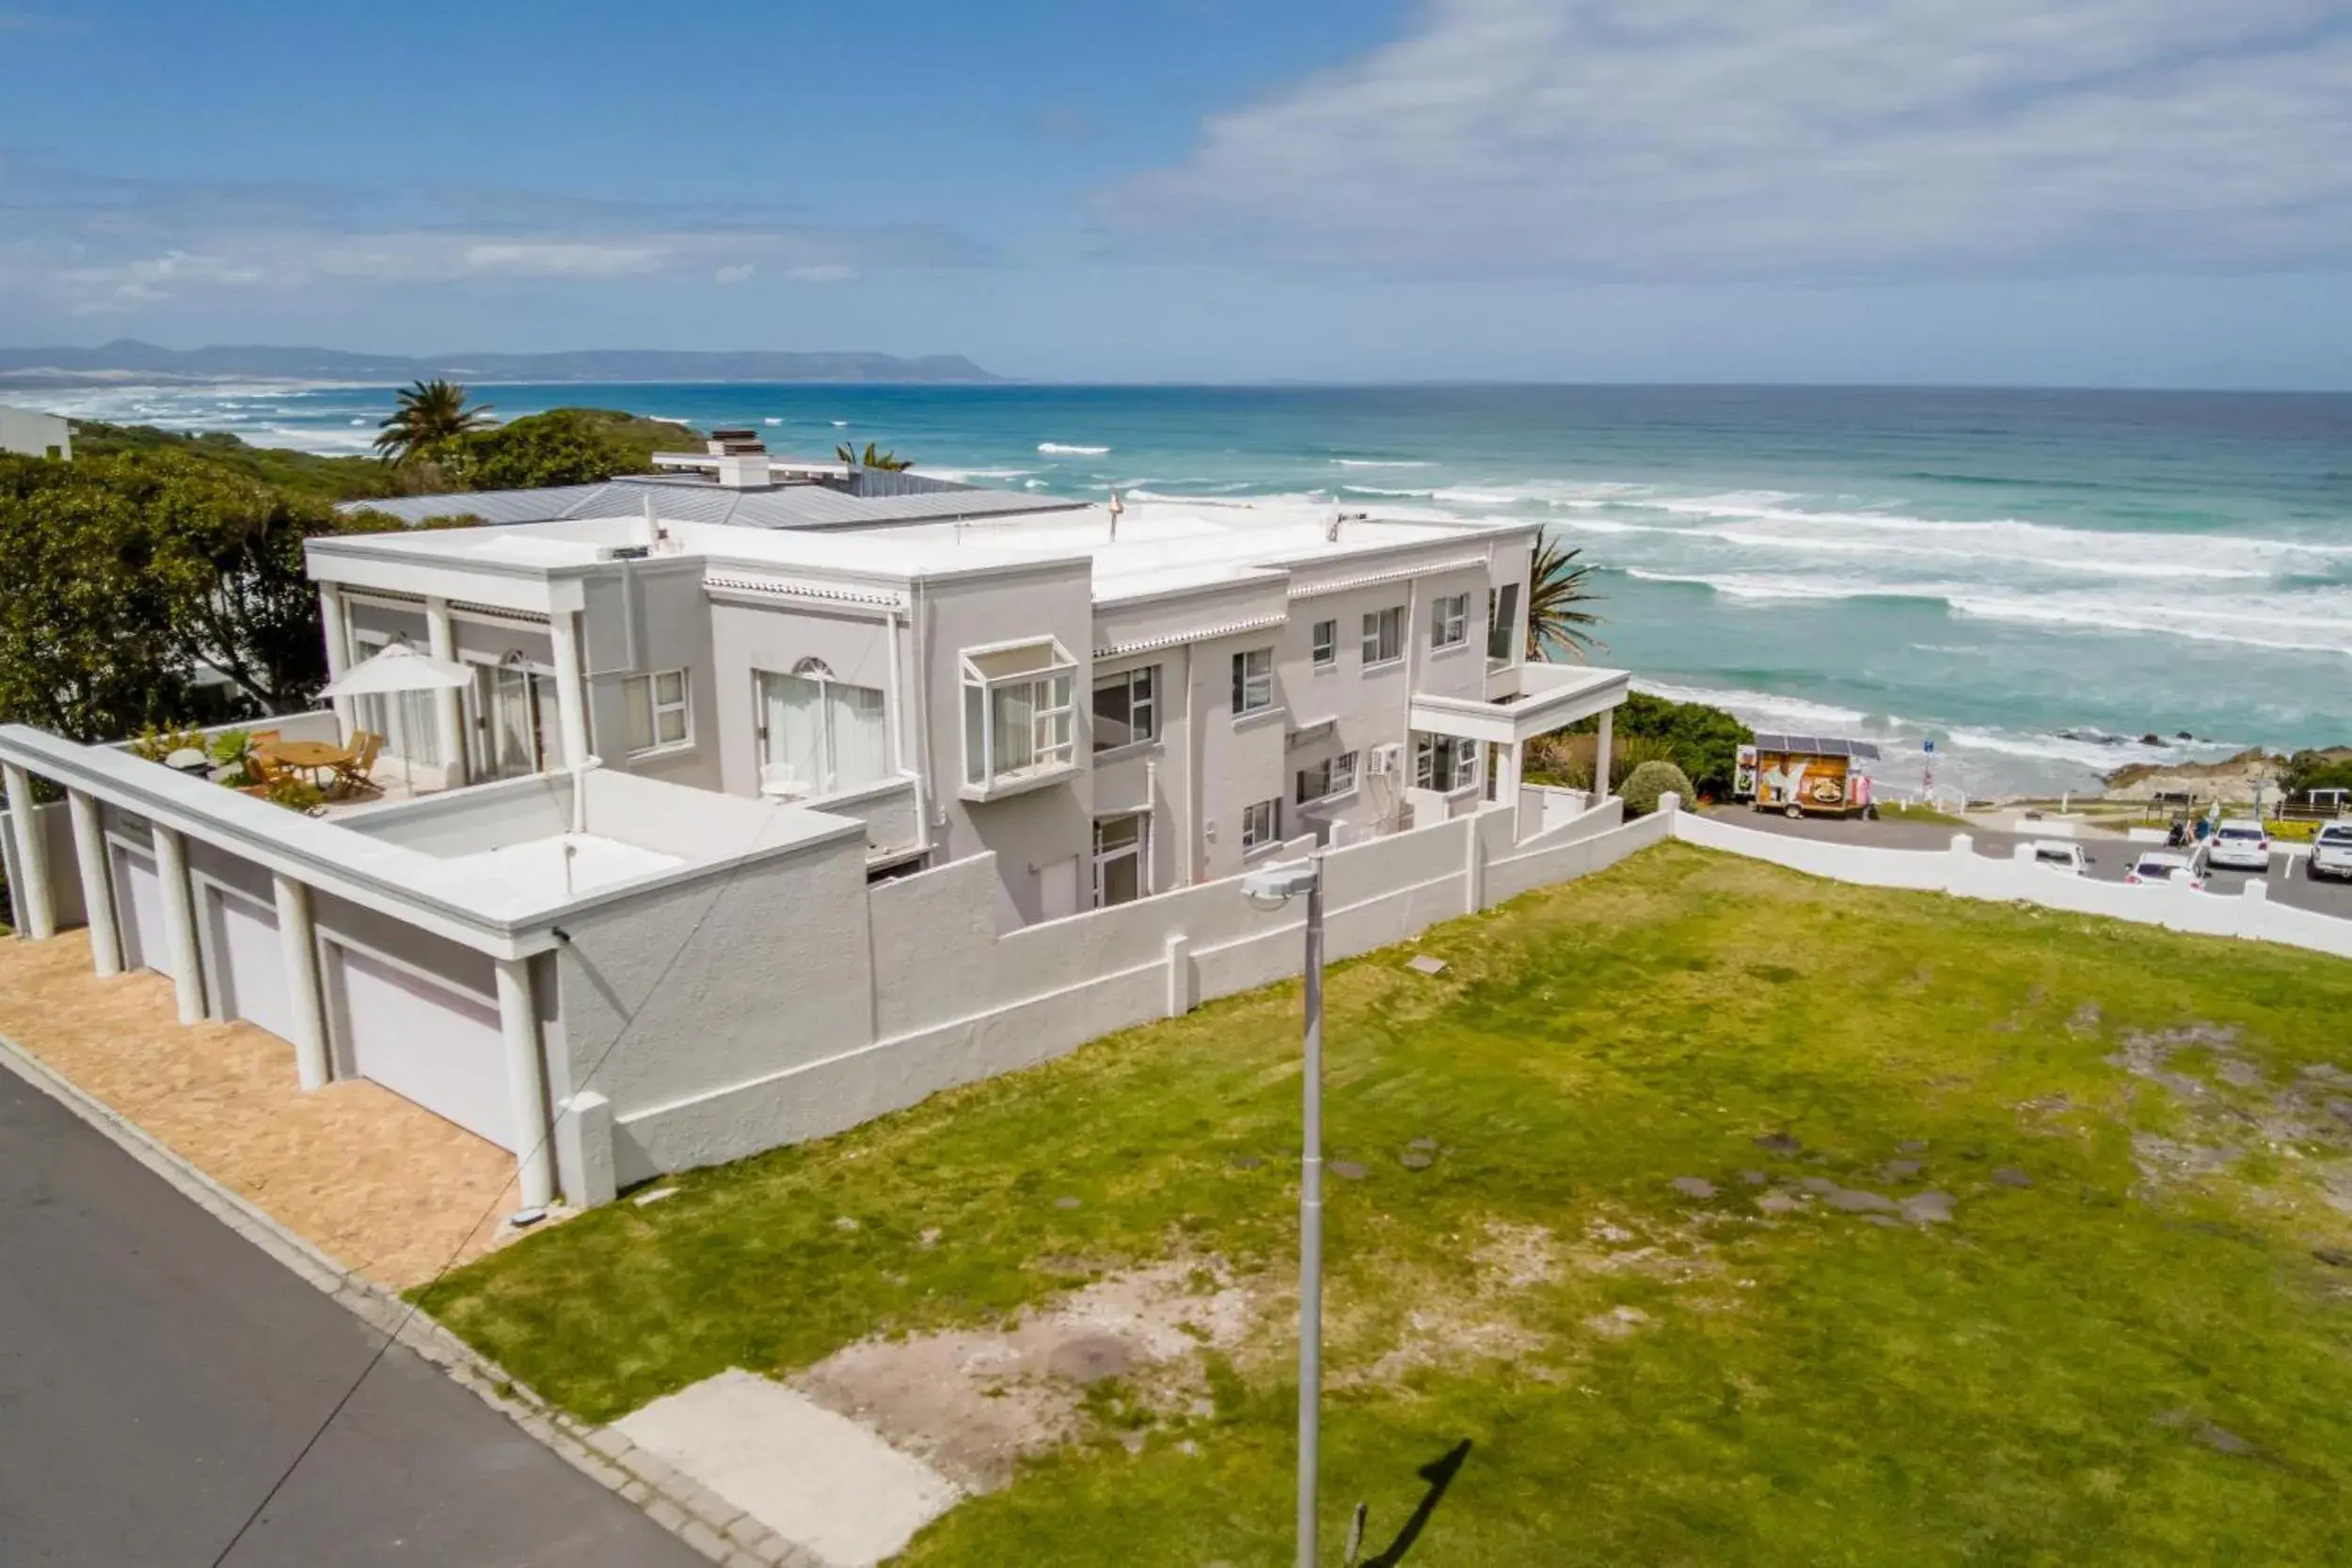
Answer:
(1961, 871)
(931, 995)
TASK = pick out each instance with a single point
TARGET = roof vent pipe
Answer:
(1118, 509)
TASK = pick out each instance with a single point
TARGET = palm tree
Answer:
(1555, 589)
(426, 415)
(889, 462)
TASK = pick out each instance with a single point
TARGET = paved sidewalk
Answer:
(374, 1180)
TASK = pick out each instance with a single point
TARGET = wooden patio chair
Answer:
(262, 740)
(351, 774)
(263, 769)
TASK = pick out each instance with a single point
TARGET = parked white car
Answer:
(2331, 852)
(2241, 845)
(2156, 865)
(2057, 855)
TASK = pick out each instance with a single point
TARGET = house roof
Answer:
(692, 500)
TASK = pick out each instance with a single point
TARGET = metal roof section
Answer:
(1817, 745)
(695, 501)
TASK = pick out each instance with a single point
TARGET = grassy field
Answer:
(1618, 1228)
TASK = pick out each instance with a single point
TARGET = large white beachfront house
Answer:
(782, 795)
(1113, 706)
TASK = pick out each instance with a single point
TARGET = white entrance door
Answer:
(249, 964)
(140, 910)
(419, 1039)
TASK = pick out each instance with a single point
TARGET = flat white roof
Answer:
(1159, 546)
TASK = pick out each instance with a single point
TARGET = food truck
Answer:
(1806, 775)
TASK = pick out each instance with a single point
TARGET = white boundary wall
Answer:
(954, 1001)
(1962, 872)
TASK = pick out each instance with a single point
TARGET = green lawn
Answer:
(2108, 1365)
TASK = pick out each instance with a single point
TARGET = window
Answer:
(1444, 762)
(1119, 848)
(1449, 619)
(1126, 708)
(1017, 717)
(1384, 635)
(819, 735)
(1331, 776)
(1325, 643)
(1502, 621)
(1259, 825)
(1253, 681)
(657, 713)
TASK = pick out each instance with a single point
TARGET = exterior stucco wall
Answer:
(678, 1007)
(748, 639)
(31, 432)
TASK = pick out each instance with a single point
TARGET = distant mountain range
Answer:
(129, 361)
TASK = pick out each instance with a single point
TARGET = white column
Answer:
(98, 887)
(1600, 755)
(448, 704)
(187, 976)
(1507, 785)
(571, 705)
(300, 950)
(526, 1089)
(335, 629)
(32, 861)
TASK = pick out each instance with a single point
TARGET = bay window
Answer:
(1017, 724)
(657, 711)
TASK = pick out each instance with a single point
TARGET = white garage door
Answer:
(139, 912)
(249, 964)
(439, 1047)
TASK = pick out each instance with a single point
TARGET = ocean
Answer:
(2032, 580)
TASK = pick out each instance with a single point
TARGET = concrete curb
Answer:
(706, 1522)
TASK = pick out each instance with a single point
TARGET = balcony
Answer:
(1550, 697)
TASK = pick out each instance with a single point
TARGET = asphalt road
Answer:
(158, 1373)
(2110, 857)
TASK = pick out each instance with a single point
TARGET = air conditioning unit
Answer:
(1385, 761)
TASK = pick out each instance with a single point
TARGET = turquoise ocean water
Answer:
(2034, 579)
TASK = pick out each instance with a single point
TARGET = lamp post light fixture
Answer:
(1271, 887)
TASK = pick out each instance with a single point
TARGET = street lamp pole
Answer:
(1311, 1232)
(1273, 886)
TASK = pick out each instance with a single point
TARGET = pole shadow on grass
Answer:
(1439, 1474)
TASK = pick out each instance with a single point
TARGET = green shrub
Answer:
(156, 745)
(1645, 783)
(296, 795)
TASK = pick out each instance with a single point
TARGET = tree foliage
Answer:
(1557, 585)
(889, 462)
(425, 415)
(563, 446)
(124, 580)
(1702, 741)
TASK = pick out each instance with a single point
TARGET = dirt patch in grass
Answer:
(974, 1402)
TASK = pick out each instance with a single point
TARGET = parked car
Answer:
(2157, 866)
(2331, 852)
(2058, 855)
(2241, 844)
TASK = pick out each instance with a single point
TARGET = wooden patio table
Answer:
(310, 755)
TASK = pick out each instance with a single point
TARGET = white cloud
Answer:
(735, 272)
(822, 272)
(1791, 138)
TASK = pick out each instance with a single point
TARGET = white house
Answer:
(745, 834)
(34, 434)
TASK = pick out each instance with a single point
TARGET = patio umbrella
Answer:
(396, 669)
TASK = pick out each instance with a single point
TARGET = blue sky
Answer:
(2112, 192)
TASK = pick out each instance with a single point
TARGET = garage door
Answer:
(439, 1047)
(248, 965)
(140, 910)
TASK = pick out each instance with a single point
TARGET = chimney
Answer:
(746, 470)
(739, 441)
